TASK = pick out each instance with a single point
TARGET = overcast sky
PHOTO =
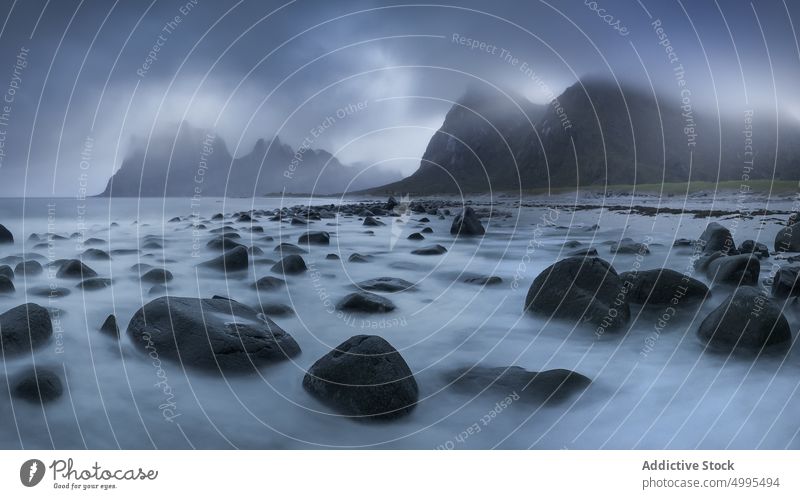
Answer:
(252, 69)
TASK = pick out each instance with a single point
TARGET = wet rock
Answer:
(124, 251)
(5, 235)
(747, 322)
(174, 219)
(416, 236)
(737, 270)
(276, 309)
(255, 251)
(758, 249)
(364, 377)
(230, 261)
(583, 252)
(318, 237)
(157, 276)
(214, 334)
(793, 219)
(141, 267)
(717, 238)
(95, 254)
(110, 326)
(371, 222)
(223, 243)
(94, 284)
(663, 287)
(684, 243)
(217, 217)
(7, 271)
(299, 221)
(28, 268)
(436, 249)
(582, 290)
(290, 249)
(6, 285)
(75, 269)
(365, 302)
(628, 246)
(269, 283)
(571, 244)
(385, 284)
(38, 385)
(93, 241)
(24, 327)
(391, 203)
(427, 230)
(467, 223)
(484, 280)
(359, 258)
(290, 265)
(786, 282)
(788, 239)
(332, 256)
(545, 387)
(48, 292)
(157, 290)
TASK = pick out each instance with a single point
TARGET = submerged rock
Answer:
(786, 282)
(95, 254)
(94, 284)
(371, 222)
(385, 284)
(435, 249)
(269, 283)
(788, 239)
(23, 328)
(747, 322)
(6, 285)
(359, 258)
(583, 290)
(213, 334)
(7, 271)
(28, 268)
(290, 265)
(737, 270)
(416, 236)
(110, 326)
(38, 385)
(318, 237)
(290, 249)
(5, 235)
(484, 280)
(75, 269)
(365, 302)
(364, 377)
(230, 261)
(543, 387)
(157, 276)
(758, 249)
(628, 246)
(663, 287)
(717, 238)
(467, 223)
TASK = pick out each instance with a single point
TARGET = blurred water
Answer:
(670, 394)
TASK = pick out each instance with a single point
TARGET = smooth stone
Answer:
(290, 249)
(628, 246)
(94, 284)
(545, 387)
(746, 322)
(717, 238)
(290, 265)
(786, 282)
(364, 377)
(75, 269)
(788, 239)
(371, 222)
(110, 326)
(219, 335)
(24, 327)
(6, 285)
(332, 256)
(157, 276)
(7, 271)
(269, 283)
(49, 292)
(359, 258)
(663, 287)
(385, 284)
(6, 237)
(318, 237)
(436, 249)
(758, 249)
(95, 254)
(29, 268)
(416, 236)
(467, 223)
(484, 280)
(739, 270)
(38, 385)
(230, 261)
(366, 302)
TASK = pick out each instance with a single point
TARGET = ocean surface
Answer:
(651, 387)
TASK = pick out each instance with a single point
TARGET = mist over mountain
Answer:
(187, 161)
(595, 133)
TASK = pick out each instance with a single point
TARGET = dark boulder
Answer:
(427, 230)
(628, 246)
(365, 302)
(290, 249)
(416, 236)
(746, 322)
(435, 249)
(788, 239)
(49, 291)
(717, 238)
(214, 334)
(23, 328)
(5, 236)
(6, 285)
(290, 265)
(230, 261)
(385, 284)
(7, 271)
(484, 280)
(94, 284)
(318, 237)
(276, 309)
(467, 223)
(223, 243)
(663, 287)
(157, 276)
(95, 254)
(583, 252)
(758, 249)
(737, 270)
(364, 377)
(545, 387)
(359, 258)
(332, 256)
(371, 222)
(786, 282)
(269, 283)
(28, 268)
(583, 290)
(110, 326)
(38, 385)
(75, 269)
